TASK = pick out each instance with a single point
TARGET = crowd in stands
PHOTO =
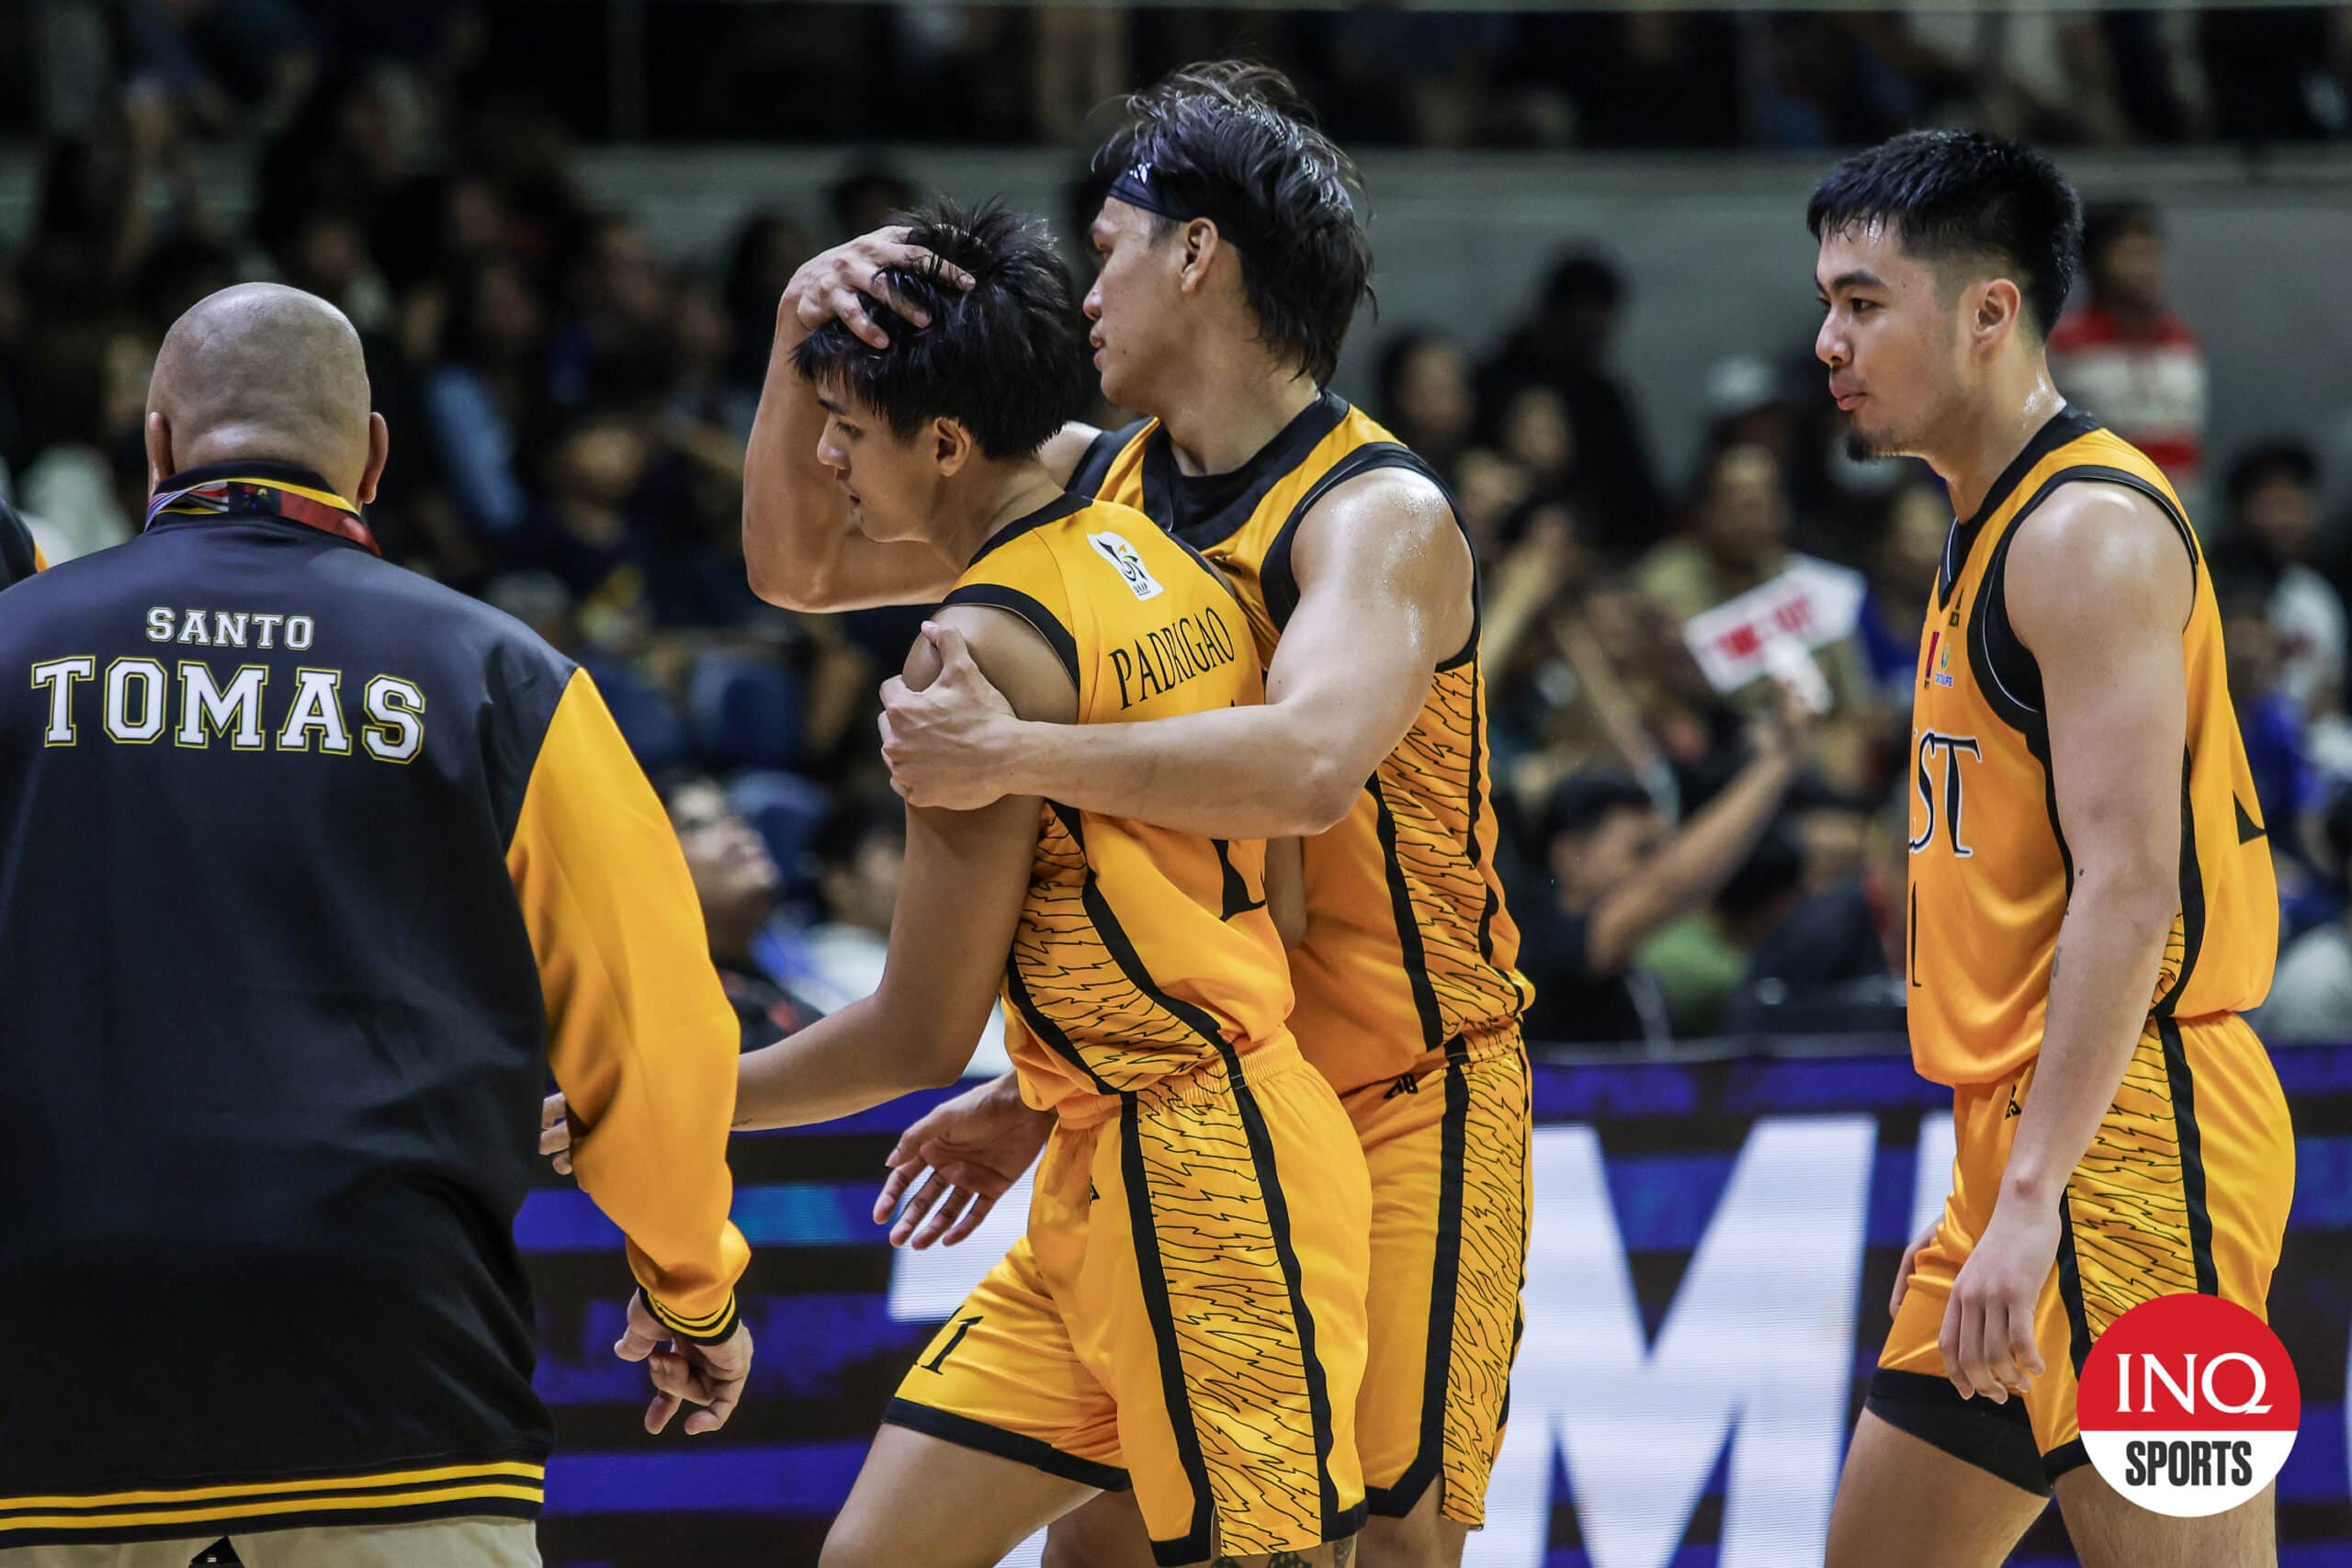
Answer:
(568, 407)
(1639, 77)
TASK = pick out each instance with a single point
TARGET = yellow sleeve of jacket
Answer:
(639, 1033)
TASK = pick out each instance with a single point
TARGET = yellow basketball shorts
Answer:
(1185, 1314)
(2185, 1189)
(1448, 1150)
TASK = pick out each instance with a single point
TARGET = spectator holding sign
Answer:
(1801, 629)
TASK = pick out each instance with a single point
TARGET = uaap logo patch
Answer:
(1129, 563)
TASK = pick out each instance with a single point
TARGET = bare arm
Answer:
(798, 547)
(966, 876)
(2115, 691)
(2099, 590)
(1385, 582)
(1703, 856)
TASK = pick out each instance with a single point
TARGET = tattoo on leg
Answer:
(1344, 1553)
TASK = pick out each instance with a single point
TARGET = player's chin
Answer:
(1866, 443)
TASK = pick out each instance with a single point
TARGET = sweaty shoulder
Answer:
(1393, 528)
(2094, 551)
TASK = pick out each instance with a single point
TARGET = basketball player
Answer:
(1232, 263)
(2092, 903)
(1184, 1319)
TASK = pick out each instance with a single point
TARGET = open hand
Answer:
(960, 1159)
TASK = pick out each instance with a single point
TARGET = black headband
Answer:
(1138, 189)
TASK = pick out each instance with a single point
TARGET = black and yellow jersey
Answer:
(19, 556)
(310, 870)
(1408, 945)
(1990, 869)
(1141, 953)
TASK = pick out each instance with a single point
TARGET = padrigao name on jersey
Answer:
(138, 701)
(1187, 646)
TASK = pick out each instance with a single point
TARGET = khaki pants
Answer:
(435, 1543)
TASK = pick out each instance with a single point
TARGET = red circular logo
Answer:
(2188, 1405)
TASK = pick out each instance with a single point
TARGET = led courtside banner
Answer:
(1713, 1243)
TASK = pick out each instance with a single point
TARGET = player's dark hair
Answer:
(1961, 194)
(1237, 144)
(1003, 358)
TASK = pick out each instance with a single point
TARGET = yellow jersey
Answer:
(1990, 868)
(1141, 951)
(1408, 945)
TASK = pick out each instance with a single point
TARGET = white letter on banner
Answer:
(1759, 1347)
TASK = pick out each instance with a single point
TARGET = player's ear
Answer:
(379, 447)
(1202, 242)
(159, 449)
(1997, 305)
(952, 446)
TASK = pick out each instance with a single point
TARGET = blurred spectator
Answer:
(581, 531)
(866, 199)
(1533, 429)
(2310, 998)
(1701, 960)
(2127, 356)
(768, 248)
(1738, 540)
(2272, 538)
(1424, 397)
(483, 395)
(2270, 719)
(1902, 575)
(1813, 972)
(1620, 875)
(736, 883)
(1564, 346)
(859, 857)
(222, 62)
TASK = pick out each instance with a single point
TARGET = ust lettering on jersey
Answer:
(1408, 945)
(1141, 951)
(1990, 869)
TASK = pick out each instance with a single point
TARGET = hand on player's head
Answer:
(839, 284)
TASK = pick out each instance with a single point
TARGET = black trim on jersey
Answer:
(1262, 1159)
(1408, 926)
(1100, 454)
(2183, 1084)
(967, 1433)
(1151, 1275)
(1996, 1439)
(2070, 1288)
(1067, 504)
(997, 596)
(2192, 897)
(1220, 505)
(1470, 846)
(1045, 1029)
(1395, 1501)
(1234, 888)
(2067, 424)
(16, 560)
(2066, 1456)
(1984, 668)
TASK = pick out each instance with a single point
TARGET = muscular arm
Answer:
(2099, 587)
(1385, 582)
(798, 547)
(966, 874)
